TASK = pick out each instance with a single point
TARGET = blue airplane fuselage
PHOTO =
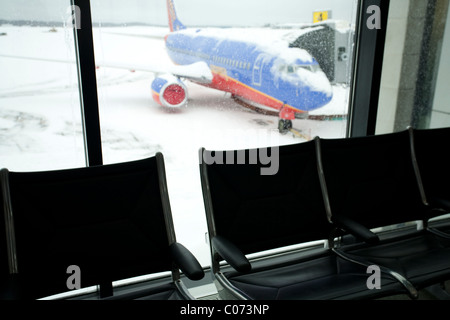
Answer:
(279, 78)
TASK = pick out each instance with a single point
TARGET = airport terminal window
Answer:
(40, 119)
(131, 37)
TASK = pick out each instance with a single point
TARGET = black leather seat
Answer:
(113, 222)
(432, 153)
(249, 212)
(372, 182)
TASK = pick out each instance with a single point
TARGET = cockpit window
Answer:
(294, 68)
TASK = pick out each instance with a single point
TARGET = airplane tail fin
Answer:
(174, 23)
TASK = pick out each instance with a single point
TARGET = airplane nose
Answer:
(310, 100)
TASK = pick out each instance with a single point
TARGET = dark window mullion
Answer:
(84, 51)
(368, 64)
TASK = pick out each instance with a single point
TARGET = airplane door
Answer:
(258, 69)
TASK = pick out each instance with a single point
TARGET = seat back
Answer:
(257, 211)
(431, 149)
(372, 179)
(4, 270)
(111, 221)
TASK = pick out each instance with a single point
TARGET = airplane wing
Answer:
(158, 36)
(198, 71)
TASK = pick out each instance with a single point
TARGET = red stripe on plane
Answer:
(228, 84)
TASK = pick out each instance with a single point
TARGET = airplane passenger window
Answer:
(221, 61)
(40, 118)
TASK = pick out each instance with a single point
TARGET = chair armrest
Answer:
(356, 229)
(186, 261)
(231, 254)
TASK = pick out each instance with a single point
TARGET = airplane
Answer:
(263, 73)
(259, 73)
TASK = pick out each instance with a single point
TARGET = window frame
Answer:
(367, 69)
(87, 84)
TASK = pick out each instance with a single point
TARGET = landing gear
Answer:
(284, 126)
(285, 120)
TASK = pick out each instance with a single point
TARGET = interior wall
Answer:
(415, 66)
(440, 116)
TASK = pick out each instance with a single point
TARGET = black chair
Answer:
(252, 207)
(372, 182)
(112, 221)
(432, 154)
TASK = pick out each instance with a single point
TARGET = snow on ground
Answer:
(40, 123)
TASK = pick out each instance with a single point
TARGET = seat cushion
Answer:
(423, 259)
(323, 278)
